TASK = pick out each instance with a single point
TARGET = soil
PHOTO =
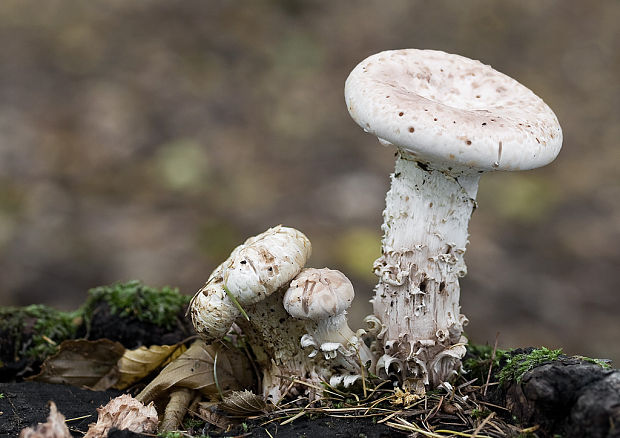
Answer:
(570, 397)
(26, 404)
(567, 397)
(131, 332)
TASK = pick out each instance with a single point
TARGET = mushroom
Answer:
(451, 119)
(252, 281)
(321, 297)
(211, 309)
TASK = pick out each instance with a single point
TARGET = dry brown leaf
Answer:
(176, 409)
(244, 403)
(140, 362)
(54, 427)
(124, 413)
(207, 412)
(91, 364)
(195, 369)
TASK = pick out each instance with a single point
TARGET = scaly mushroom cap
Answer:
(265, 263)
(254, 270)
(211, 310)
(318, 294)
(452, 111)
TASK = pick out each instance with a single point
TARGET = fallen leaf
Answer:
(78, 362)
(124, 413)
(244, 403)
(54, 427)
(140, 362)
(209, 369)
(207, 412)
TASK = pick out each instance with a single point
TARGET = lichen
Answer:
(134, 299)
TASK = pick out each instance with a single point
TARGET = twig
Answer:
(484, 422)
(484, 393)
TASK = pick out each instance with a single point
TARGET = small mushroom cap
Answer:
(318, 294)
(265, 263)
(452, 111)
(211, 310)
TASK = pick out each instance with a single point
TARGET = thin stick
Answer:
(484, 393)
(217, 383)
(78, 418)
(481, 425)
(235, 302)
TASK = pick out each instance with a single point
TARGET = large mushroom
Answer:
(451, 119)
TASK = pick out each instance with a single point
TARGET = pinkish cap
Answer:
(452, 111)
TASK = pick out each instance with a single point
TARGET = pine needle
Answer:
(235, 302)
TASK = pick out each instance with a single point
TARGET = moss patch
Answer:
(479, 358)
(519, 364)
(133, 299)
(603, 363)
(33, 332)
(136, 314)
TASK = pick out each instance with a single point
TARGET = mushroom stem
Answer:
(274, 338)
(425, 235)
(335, 329)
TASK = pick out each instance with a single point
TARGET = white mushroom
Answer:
(265, 263)
(255, 276)
(451, 118)
(211, 309)
(321, 297)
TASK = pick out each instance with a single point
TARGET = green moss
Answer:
(171, 434)
(603, 363)
(133, 299)
(480, 413)
(192, 423)
(479, 358)
(35, 331)
(519, 364)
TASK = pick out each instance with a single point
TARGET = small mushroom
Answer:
(211, 309)
(323, 296)
(253, 280)
(451, 119)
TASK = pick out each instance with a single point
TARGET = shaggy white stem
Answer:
(274, 338)
(417, 299)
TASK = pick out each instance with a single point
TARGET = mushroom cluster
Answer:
(248, 290)
(450, 119)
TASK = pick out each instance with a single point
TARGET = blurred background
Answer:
(146, 139)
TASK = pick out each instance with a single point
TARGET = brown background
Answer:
(146, 139)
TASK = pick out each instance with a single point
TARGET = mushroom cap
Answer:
(318, 294)
(265, 263)
(452, 111)
(211, 309)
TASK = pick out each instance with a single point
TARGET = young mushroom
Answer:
(252, 281)
(321, 297)
(451, 119)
